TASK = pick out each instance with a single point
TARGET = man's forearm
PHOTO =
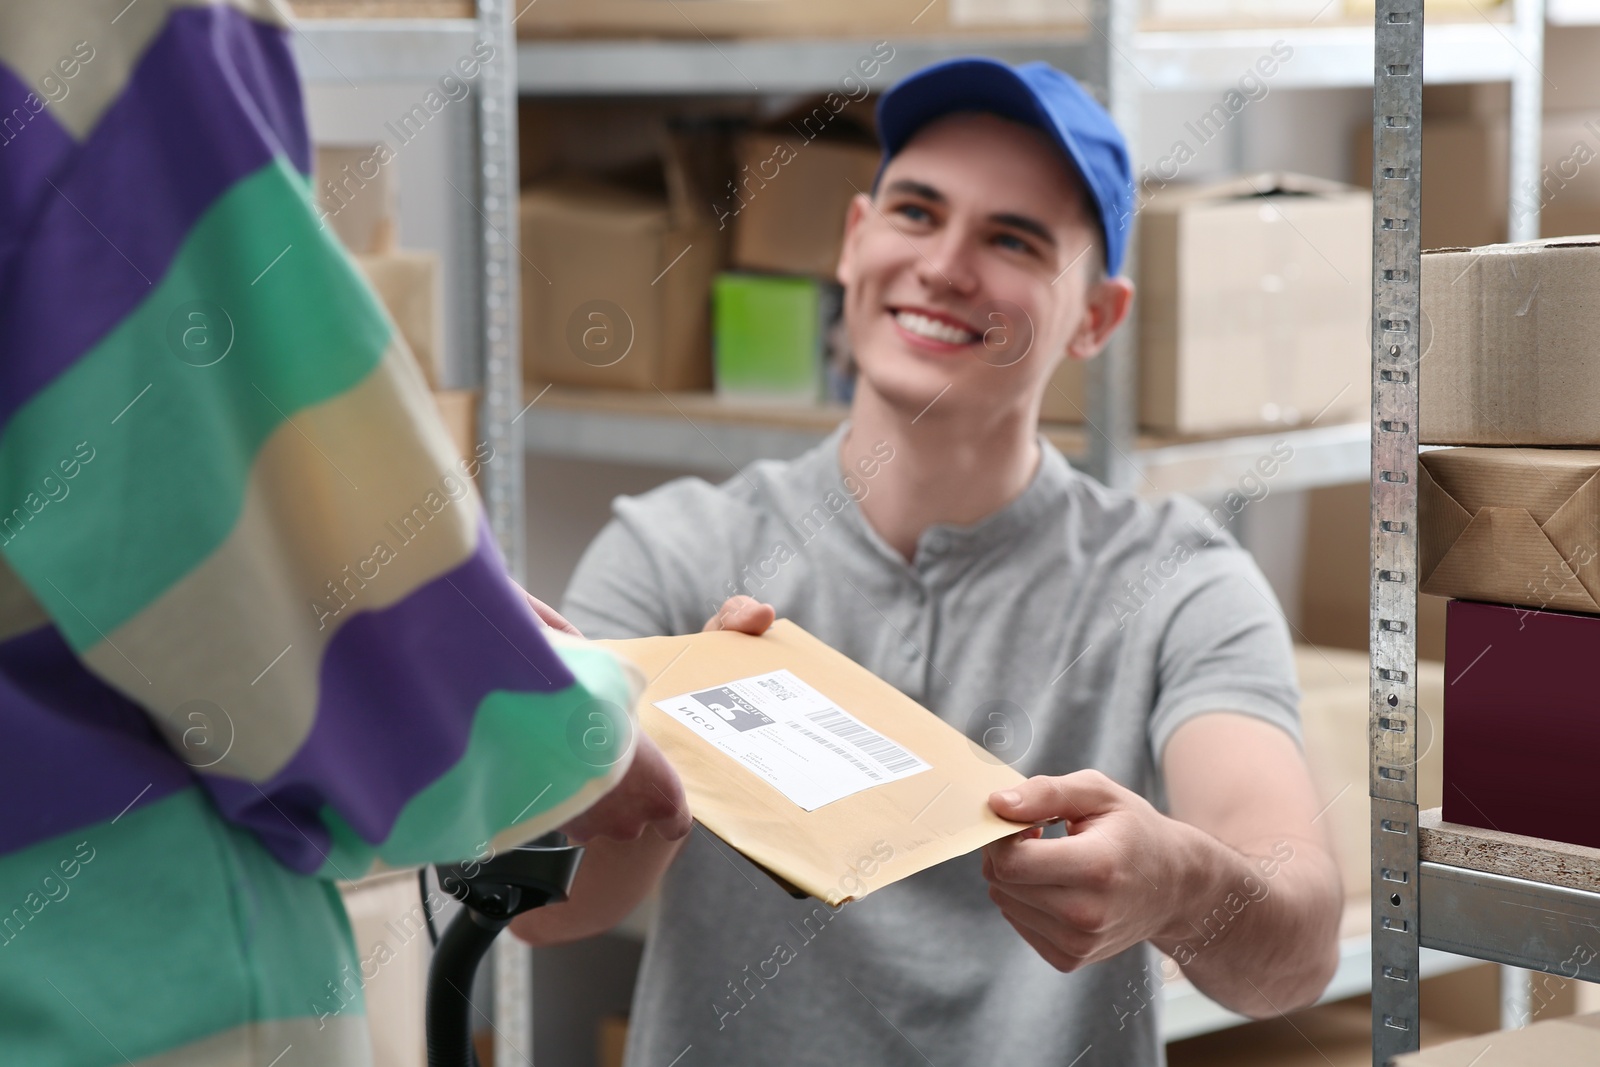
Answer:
(1256, 930)
(614, 878)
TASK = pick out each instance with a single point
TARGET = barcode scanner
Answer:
(492, 893)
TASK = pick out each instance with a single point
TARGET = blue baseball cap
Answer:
(1034, 94)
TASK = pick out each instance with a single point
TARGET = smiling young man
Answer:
(976, 571)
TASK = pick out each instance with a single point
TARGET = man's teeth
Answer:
(923, 326)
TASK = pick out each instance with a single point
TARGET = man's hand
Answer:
(1238, 885)
(745, 614)
(1088, 896)
(649, 795)
(550, 616)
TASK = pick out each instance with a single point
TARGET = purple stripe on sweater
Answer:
(212, 100)
(399, 691)
(75, 752)
(33, 147)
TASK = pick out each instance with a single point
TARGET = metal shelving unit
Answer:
(1514, 921)
(697, 432)
(356, 52)
(1124, 61)
(1422, 900)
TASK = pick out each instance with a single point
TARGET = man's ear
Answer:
(1109, 301)
(860, 204)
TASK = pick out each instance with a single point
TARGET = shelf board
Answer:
(1167, 59)
(367, 51)
(1508, 920)
(621, 66)
(698, 431)
(1530, 858)
(1510, 899)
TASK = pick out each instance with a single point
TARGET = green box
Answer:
(768, 336)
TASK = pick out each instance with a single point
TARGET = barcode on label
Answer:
(840, 749)
(874, 744)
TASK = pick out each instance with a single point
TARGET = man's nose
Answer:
(949, 262)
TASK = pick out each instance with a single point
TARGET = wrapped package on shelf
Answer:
(407, 282)
(1507, 338)
(616, 288)
(1524, 728)
(1253, 307)
(1511, 526)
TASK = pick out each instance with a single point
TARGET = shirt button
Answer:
(910, 651)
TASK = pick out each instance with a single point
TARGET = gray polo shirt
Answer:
(1077, 627)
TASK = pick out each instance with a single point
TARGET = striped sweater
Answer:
(254, 633)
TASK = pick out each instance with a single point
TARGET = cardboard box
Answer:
(1570, 1042)
(1468, 145)
(1336, 575)
(895, 19)
(1523, 723)
(408, 284)
(1467, 140)
(355, 190)
(1334, 706)
(769, 336)
(1574, 77)
(793, 187)
(1511, 526)
(1508, 344)
(844, 848)
(1253, 307)
(459, 410)
(616, 288)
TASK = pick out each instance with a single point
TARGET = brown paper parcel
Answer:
(1511, 526)
(925, 819)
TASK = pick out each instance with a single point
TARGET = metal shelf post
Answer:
(1396, 358)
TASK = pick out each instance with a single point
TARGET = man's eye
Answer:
(1013, 243)
(913, 213)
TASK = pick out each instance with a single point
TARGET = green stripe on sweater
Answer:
(157, 930)
(160, 448)
(527, 753)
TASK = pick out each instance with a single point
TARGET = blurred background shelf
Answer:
(1164, 59)
(699, 432)
(357, 51)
